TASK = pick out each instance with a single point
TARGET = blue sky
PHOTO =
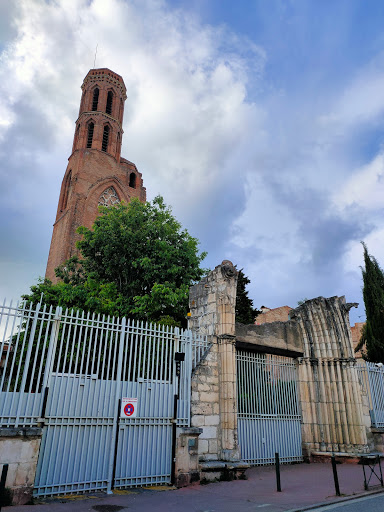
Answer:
(260, 122)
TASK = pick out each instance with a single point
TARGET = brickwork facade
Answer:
(268, 316)
(96, 173)
(356, 331)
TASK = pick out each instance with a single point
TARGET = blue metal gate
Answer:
(269, 419)
(69, 370)
(371, 377)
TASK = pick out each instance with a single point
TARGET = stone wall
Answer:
(205, 411)
(19, 448)
(281, 338)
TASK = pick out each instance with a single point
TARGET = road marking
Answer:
(347, 502)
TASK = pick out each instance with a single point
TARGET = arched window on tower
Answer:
(132, 180)
(104, 145)
(66, 191)
(109, 197)
(108, 108)
(91, 127)
(95, 100)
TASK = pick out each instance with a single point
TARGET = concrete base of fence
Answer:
(214, 470)
(187, 461)
(19, 448)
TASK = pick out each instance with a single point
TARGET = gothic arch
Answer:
(95, 99)
(132, 179)
(110, 101)
(109, 197)
(90, 128)
(91, 92)
(97, 189)
(106, 137)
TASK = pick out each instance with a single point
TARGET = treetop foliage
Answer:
(373, 294)
(136, 261)
(245, 312)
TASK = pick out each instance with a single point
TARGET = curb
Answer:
(336, 501)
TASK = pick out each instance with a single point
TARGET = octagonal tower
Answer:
(96, 174)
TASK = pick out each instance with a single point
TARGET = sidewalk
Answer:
(303, 485)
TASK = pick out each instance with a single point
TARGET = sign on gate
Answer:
(128, 408)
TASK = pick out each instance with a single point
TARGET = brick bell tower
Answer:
(96, 173)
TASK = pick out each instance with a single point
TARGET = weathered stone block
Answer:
(209, 397)
(209, 432)
(212, 420)
(198, 420)
(213, 446)
(203, 446)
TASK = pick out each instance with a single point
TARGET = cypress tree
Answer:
(373, 294)
(245, 312)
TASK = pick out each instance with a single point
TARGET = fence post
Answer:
(277, 465)
(188, 374)
(335, 477)
(113, 452)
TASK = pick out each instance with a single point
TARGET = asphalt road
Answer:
(366, 504)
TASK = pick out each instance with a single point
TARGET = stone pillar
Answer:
(331, 396)
(212, 305)
(187, 461)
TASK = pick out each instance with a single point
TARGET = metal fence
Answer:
(68, 370)
(371, 376)
(269, 418)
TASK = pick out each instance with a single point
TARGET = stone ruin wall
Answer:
(205, 411)
(213, 406)
(333, 414)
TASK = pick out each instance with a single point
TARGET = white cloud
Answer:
(272, 184)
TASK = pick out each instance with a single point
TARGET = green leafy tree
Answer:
(136, 261)
(373, 294)
(245, 312)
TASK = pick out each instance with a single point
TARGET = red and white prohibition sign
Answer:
(128, 408)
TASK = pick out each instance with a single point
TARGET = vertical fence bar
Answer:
(52, 347)
(26, 363)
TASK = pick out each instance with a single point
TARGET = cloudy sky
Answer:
(261, 122)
